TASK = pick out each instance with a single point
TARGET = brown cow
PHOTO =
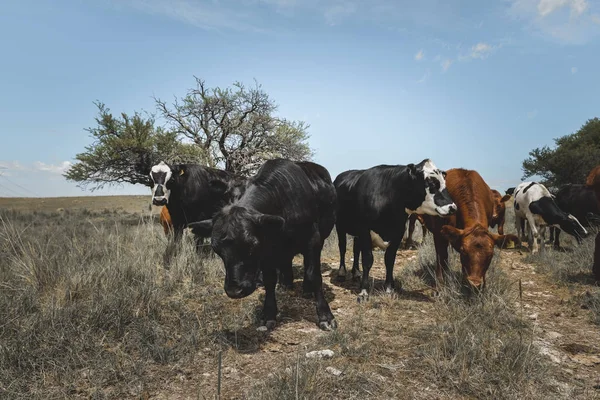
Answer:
(499, 210)
(412, 220)
(593, 181)
(467, 230)
(165, 221)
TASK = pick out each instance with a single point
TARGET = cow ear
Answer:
(202, 228)
(506, 241)
(271, 222)
(412, 171)
(454, 235)
(176, 171)
(505, 198)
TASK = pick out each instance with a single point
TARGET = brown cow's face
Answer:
(476, 248)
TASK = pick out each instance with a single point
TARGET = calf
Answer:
(380, 199)
(189, 192)
(286, 209)
(412, 220)
(467, 231)
(534, 203)
(579, 201)
(499, 210)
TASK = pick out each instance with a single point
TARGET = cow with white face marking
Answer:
(380, 199)
(191, 192)
(535, 204)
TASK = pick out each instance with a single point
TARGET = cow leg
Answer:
(173, 245)
(596, 266)
(342, 246)
(556, 238)
(411, 229)
(313, 279)
(390, 259)
(355, 262)
(533, 233)
(424, 233)
(270, 305)
(286, 275)
(518, 228)
(542, 236)
(364, 241)
(501, 227)
(441, 256)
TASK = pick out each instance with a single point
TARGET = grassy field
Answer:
(88, 310)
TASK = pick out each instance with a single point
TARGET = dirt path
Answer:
(564, 334)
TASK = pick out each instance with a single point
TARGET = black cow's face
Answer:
(572, 226)
(239, 236)
(437, 200)
(160, 175)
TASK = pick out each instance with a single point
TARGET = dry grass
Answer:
(88, 310)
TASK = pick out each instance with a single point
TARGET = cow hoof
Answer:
(328, 325)
(270, 324)
(363, 296)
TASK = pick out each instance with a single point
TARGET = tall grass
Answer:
(86, 304)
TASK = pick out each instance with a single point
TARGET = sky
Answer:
(472, 84)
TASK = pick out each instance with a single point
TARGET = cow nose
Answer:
(243, 289)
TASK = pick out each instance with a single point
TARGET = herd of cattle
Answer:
(257, 225)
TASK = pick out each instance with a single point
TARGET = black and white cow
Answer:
(380, 199)
(288, 208)
(535, 204)
(579, 201)
(191, 192)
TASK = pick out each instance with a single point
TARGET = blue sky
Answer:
(468, 84)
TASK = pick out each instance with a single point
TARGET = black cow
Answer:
(287, 208)
(380, 199)
(579, 201)
(191, 192)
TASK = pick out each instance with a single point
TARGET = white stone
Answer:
(320, 354)
(333, 371)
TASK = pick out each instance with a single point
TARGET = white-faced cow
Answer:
(534, 203)
(190, 192)
(380, 199)
(288, 208)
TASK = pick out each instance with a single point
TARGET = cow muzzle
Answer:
(236, 290)
(446, 210)
(159, 200)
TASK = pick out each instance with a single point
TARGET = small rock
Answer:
(261, 329)
(554, 335)
(320, 354)
(533, 316)
(206, 374)
(333, 371)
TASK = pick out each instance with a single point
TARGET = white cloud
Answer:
(532, 114)
(424, 77)
(446, 64)
(481, 50)
(419, 56)
(547, 7)
(573, 70)
(16, 166)
(52, 168)
(563, 21)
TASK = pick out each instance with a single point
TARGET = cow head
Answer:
(161, 175)
(476, 248)
(499, 205)
(430, 183)
(572, 226)
(240, 236)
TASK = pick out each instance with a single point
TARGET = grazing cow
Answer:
(467, 231)
(579, 201)
(189, 192)
(534, 203)
(287, 208)
(499, 210)
(380, 199)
